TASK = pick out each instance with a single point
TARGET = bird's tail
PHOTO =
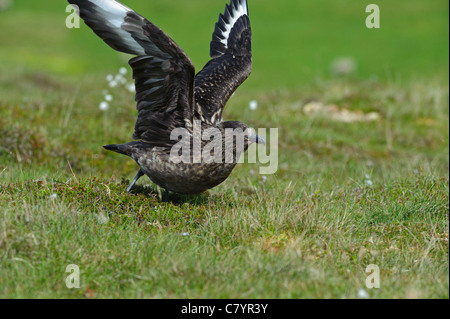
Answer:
(125, 149)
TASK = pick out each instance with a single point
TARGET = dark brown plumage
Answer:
(170, 96)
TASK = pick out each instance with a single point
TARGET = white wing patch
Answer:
(233, 16)
(112, 10)
(115, 13)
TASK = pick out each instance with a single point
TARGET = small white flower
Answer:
(362, 294)
(53, 196)
(264, 178)
(131, 87)
(253, 105)
(344, 66)
(113, 83)
(104, 106)
(123, 70)
(109, 77)
(108, 97)
(367, 180)
(185, 234)
(120, 79)
(102, 219)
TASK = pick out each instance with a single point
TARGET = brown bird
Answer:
(170, 96)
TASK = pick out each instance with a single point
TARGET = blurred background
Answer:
(294, 41)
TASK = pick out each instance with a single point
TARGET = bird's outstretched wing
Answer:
(231, 62)
(163, 73)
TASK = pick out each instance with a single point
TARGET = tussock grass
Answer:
(308, 231)
(315, 246)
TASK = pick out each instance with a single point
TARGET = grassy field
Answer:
(363, 160)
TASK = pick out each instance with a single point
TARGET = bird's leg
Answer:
(138, 175)
(165, 196)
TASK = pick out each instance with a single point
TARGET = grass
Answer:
(346, 195)
(308, 246)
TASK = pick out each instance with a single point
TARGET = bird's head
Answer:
(237, 132)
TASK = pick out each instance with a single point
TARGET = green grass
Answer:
(309, 231)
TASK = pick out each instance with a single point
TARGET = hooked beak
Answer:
(257, 139)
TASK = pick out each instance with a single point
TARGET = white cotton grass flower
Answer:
(343, 66)
(115, 81)
(53, 196)
(368, 180)
(120, 79)
(362, 294)
(264, 179)
(253, 105)
(104, 106)
(102, 218)
(131, 87)
(113, 84)
(123, 70)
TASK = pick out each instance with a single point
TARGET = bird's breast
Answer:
(183, 178)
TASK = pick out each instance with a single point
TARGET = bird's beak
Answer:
(257, 139)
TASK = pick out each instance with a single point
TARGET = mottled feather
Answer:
(231, 62)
